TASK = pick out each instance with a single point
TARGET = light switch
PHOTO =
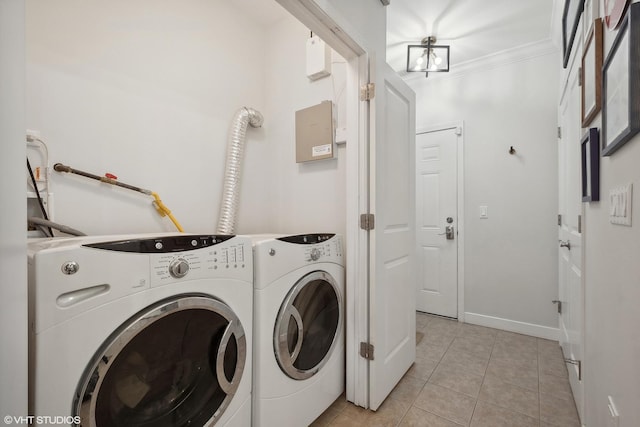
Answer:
(620, 201)
(484, 214)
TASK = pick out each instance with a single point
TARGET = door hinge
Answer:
(555, 301)
(559, 219)
(580, 224)
(366, 350)
(580, 76)
(367, 221)
(577, 363)
(559, 132)
(367, 92)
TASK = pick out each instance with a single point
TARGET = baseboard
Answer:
(513, 326)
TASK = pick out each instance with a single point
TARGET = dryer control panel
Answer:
(317, 247)
(325, 250)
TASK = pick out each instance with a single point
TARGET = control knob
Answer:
(179, 268)
(315, 254)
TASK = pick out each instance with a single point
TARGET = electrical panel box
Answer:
(315, 133)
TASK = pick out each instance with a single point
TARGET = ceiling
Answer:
(265, 12)
(473, 28)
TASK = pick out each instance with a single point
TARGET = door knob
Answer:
(449, 232)
(566, 244)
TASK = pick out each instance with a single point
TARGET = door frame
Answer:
(349, 44)
(458, 124)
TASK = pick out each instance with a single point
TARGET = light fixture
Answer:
(427, 57)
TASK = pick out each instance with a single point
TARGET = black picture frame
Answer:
(591, 166)
(622, 68)
(570, 18)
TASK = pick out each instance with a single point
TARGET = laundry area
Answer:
(318, 213)
(187, 204)
(175, 140)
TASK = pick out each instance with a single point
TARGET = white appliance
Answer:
(299, 367)
(141, 330)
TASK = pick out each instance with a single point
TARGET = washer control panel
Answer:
(227, 259)
(189, 257)
(166, 244)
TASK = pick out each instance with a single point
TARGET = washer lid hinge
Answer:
(366, 350)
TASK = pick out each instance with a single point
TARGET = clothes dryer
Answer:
(141, 330)
(299, 360)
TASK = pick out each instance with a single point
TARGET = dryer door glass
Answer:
(308, 325)
(177, 363)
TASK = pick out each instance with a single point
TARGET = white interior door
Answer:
(392, 322)
(571, 291)
(437, 212)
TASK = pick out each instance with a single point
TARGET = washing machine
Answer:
(141, 330)
(299, 359)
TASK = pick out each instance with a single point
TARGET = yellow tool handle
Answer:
(164, 210)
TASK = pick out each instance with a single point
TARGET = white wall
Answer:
(511, 270)
(13, 259)
(612, 291)
(146, 91)
(310, 196)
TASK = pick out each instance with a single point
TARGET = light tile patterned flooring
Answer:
(467, 375)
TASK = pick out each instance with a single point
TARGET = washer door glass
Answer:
(308, 325)
(177, 363)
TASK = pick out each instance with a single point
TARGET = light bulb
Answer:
(420, 60)
(437, 60)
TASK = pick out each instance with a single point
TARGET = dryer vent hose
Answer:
(233, 168)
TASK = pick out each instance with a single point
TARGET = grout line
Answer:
(539, 390)
(483, 378)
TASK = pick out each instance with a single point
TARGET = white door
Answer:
(571, 294)
(436, 211)
(392, 322)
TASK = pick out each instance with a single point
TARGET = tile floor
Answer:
(467, 375)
